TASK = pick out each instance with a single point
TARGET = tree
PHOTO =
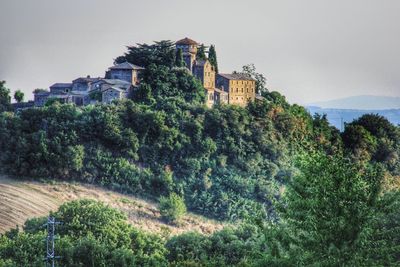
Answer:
(159, 53)
(261, 88)
(201, 53)
(325, 209)
(143, 94)
(382, 247)
(40, 90)
(212, 57)
(5, 99)
(179, 62)
(19, 96)
(172, 208)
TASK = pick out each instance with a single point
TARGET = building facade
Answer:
(240, 87)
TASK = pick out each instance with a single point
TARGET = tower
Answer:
(189, 51)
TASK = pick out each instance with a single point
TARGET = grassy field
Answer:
(21, 200)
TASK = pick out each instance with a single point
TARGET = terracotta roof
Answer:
(186, 41)
(126, 66)
(236, 76)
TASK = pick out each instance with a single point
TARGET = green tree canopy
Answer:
(172, 208)
(326, 208)
(201, 52)
(161, 53)
(261, 81)
(19, 96)
(179, 62)
(5, 99)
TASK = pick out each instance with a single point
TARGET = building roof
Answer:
(113, 88)
(186, 41)
(121, 84)
(236, 76)
(61, 85)
(87, 79)
(116, 82)
(126, 66)
(41, 93)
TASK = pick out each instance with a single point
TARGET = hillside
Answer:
(22, 200)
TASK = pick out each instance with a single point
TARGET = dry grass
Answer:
(21, 200)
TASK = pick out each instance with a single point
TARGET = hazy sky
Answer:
(309, 50)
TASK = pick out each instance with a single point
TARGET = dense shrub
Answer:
(172, 208)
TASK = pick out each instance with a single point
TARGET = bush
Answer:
(172, 208)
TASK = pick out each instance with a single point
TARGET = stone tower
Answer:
(189, 51)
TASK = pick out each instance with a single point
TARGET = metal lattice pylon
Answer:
(50, 251)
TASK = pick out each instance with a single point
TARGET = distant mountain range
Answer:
(338, 117)
(345, 110)
(365, 102)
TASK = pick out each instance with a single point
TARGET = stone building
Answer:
(240, 87)
(119, 82)
(111, 89)
(40, 97)
(220, 96)
(58, 88)
(126, 72)
(83, 84)
(189, 51)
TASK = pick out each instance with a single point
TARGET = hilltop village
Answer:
(122, 79)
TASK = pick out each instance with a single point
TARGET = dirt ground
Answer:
(21, 200)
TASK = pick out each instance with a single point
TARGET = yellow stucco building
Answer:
(240, 87)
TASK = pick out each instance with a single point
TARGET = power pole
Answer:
(51, 230)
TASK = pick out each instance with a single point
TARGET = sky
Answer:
(309, 50)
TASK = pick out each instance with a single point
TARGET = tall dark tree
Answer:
(19, 96)
(179, 62)
(212, 57)
(5, 99)
(201, 53)
(159, 53)
(143, 94)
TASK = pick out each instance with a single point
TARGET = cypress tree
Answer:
(212, 57)
(201, 53)
(179, 62)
